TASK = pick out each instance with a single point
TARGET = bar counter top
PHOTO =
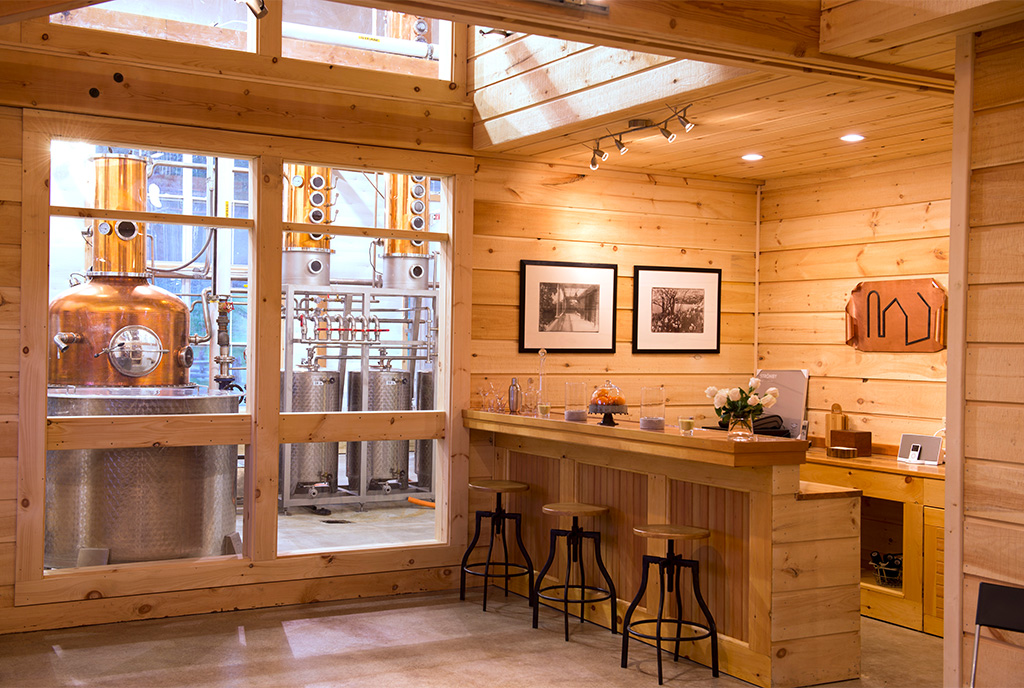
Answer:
(707, 446)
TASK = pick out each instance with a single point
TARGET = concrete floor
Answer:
(425, 641)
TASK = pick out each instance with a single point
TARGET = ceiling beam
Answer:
(20, 10)
(866, 26)
(768, 35)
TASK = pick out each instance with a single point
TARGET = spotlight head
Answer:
(594, 163)
(687, 124)
(620, 145)
(666, 133)
(600, 153)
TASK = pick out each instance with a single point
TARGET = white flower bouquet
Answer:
(742, 405)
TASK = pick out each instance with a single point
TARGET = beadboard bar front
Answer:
(780, 571)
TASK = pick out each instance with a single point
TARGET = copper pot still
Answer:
(117, 329)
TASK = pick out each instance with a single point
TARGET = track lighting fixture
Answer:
(598, 155)
(257, 7)
(681, 116)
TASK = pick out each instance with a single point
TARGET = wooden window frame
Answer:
(263, 427)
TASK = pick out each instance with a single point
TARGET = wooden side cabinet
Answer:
(901, 514)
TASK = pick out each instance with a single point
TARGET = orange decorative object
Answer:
(897, 315)
(607, 395)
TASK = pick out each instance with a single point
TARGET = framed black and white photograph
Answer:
(676, 310)
(566, 307)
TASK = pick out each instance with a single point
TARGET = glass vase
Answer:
(741, 429)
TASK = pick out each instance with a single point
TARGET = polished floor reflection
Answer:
(426, 641)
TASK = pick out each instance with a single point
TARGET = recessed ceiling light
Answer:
(851, 138)
(752, 157)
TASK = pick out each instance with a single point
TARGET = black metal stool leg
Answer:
(712, 629)
(569, 556)
(679, 610)
(469, 550)
(662, 566)
(596, 537)
(578, 555)
(518, 518)
(495, 525)
(632, 607)
(535, 590)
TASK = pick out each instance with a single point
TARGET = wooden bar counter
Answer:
(780, 571)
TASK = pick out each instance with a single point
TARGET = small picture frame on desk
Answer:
(920, 449)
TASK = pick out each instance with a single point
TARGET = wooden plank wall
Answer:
(10, 312)
(821, 234)
(542, 212)
(993, 484)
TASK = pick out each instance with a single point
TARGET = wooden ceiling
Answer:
(780, 78)
(555, 111)
(784, 79)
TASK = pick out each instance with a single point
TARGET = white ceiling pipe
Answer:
(350, 39)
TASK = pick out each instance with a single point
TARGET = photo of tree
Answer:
(677, 310)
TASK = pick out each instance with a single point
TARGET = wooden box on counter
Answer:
(858, 439)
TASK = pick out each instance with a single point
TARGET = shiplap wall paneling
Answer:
(821, 234)
(993, 528)
(543, 212)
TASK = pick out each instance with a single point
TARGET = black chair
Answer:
(1001, 607)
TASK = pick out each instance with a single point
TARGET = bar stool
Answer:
(669, 568)
(574, 544)
(498, 518)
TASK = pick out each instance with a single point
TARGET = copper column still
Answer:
(121, 347)
(307, 255)
(405, 261)
(313, 467)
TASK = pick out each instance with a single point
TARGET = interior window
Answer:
(335, 33)
(216, 23)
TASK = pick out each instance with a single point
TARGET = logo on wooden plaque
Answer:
(897, 315)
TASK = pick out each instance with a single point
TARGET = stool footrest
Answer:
(631, 629)
(605, 594)
(518, 569)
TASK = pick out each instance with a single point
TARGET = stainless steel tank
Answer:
(387, 390)
(424, 448)
(141, 504)
(313, 391)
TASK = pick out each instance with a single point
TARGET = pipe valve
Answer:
(65, 339)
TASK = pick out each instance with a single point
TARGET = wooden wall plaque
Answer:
(897, 315)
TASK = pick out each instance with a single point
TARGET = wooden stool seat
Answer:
(574, 509)
(668, 531)
(499, 486)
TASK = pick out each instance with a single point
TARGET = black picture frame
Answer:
(567, 307)
(676, 310)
